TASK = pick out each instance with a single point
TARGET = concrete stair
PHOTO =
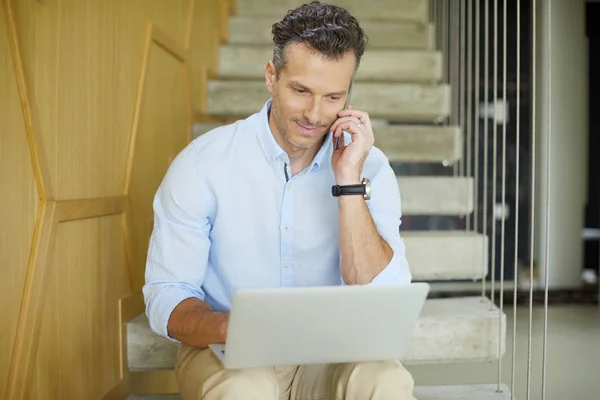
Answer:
(376, 65)
(407, 102)
(436, 195)
(449, 330)
(458, 392)
(256, 30)
(446, 255)
(420, 143)
(395, 10)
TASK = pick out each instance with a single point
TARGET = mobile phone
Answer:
(337, 140)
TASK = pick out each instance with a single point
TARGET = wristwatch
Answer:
(363, 188)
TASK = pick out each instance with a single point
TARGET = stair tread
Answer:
(148, 351)
(379, 9)
(454, 392)
(436, 195)
(256, 30)
(408, 102)
(446, 255)
(377, 65)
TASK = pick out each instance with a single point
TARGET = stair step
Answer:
(376, 65)
(403, 10)
(449, 330)
(446, 255)
(256, 30)
(436, 195)
(459, 392)
(420, 143)
(394, 101)
(454, 330)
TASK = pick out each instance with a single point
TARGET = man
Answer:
(251, 205)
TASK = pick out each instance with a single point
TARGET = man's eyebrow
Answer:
(298, 84)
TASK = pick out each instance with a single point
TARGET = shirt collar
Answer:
(272, 149)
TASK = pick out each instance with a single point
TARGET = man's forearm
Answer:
(364, 253)
(195, 324)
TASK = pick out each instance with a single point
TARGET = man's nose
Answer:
(312, 113)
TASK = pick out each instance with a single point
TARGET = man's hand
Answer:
(348, 161)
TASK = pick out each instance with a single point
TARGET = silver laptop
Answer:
(317, 325)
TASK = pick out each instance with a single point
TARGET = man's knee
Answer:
(383, 380)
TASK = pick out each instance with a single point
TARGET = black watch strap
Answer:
(338, 190)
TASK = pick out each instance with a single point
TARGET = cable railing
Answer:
(473, 37)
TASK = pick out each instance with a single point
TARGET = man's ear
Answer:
(270, 76)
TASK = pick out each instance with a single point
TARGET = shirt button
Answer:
(287, 267)
(286, 228)
(289, 187)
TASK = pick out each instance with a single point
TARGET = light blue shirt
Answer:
(228, 215)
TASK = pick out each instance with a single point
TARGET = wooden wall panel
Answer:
(80, 81)
(82, 60)
(164, 122)
(78, 354)
(18, 203)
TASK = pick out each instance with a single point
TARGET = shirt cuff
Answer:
(161, 306)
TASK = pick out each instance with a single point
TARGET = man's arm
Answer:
(178, 258)
(371, 249)
(195, 324)
(364, 253)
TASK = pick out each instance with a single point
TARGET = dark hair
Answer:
(329, 29)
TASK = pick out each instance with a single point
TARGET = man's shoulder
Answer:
(221, 135)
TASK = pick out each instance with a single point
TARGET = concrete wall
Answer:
(568, 141)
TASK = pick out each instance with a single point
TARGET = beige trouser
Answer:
(202, 377)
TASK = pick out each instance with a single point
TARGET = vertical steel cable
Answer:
(461, 79)
(517, 182)
(495, 154)
(485, 261)
(503, 187)
(469, 82)
(444, 39)
(454, 68)
(548, 173)
(532, 218)
(476, 119)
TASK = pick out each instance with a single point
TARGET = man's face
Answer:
(309, 93)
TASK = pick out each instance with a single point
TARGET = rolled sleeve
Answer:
(179, 245)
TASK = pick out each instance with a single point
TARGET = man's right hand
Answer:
(194, 323)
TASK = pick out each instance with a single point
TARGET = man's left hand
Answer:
(348, 161)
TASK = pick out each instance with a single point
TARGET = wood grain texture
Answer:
(18, 203)
(79, 351)
(131, 306)
(70, 82)
(72, 210)
(28, 329)
(36, 148)
(81, 60)
(167, 43)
